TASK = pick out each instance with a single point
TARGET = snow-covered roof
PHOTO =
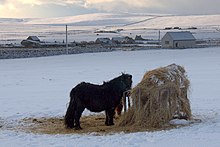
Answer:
(34, 38)
(181, 35)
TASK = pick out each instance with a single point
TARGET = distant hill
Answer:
(129, 20)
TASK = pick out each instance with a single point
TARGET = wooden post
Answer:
(129, 103)
(66, 41)
(159, 38)
(124, 101)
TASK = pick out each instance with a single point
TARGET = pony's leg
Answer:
(78, 114)
(109, 117)
(119, 108)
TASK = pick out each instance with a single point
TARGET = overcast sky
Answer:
(57, 8)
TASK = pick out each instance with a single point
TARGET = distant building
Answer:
(31, 41)
(139, 38)
(103, 40)
(33, 38)
(178, 40)
(122, 40)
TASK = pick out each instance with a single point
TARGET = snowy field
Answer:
(38, 87)
(83, 27)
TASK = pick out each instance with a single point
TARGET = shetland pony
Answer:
(96, 98)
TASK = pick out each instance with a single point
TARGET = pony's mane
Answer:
(113, 80)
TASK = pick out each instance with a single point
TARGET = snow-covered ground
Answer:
(38, 87)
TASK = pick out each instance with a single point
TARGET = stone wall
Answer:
(11, 53)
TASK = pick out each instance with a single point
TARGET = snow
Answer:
(173, 71)
(181, 36)
(82, 27)
(179, 122)
(38, 87)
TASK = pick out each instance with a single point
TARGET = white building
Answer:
(178, 40)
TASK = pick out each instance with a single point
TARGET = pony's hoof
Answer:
(70, 127)
(78, 128)
(110, 124)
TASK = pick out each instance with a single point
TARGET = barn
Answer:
(31, 41)
(178, 40)
(33, 38)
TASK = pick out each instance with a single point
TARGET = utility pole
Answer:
(159, 38)
(66, 41)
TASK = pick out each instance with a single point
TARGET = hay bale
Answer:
(158, 98)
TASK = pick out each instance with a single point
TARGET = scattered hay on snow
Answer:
(158, 98)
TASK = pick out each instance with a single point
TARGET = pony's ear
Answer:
(122, 73)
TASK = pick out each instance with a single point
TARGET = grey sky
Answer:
(54, 8)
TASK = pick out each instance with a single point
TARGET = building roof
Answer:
(103, 39)
(118, 38)
(181, 35)
(34, 38)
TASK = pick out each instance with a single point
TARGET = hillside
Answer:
(82, 27)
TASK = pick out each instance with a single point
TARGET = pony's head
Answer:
(122, 83)
(126, 79)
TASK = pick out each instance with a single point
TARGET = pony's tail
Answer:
(69, 117)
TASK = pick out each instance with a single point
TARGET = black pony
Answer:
(96, 98)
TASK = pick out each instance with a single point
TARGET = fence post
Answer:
(129, 103)
(124, 98)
